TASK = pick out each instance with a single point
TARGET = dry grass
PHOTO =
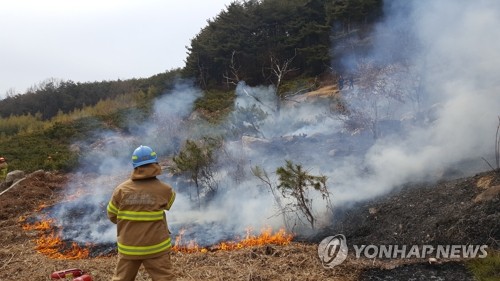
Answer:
(327, 91)
(293, 262)
(296, 261)
(20, 261)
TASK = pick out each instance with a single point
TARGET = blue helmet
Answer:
(143, 155)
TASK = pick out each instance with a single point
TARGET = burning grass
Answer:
(54, 247)
(295, 261)
(51, 243)
(265, 237)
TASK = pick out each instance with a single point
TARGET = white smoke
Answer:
(458, 62)
(107, 163)
(450, 50)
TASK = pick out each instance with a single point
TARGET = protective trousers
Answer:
(159, 268)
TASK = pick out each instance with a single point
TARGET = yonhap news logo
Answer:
(333, 250)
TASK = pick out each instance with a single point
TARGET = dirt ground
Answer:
(297, 261)
(20, 261)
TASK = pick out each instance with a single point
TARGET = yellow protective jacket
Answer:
(137, 208)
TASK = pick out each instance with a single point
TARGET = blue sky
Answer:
(91, 40)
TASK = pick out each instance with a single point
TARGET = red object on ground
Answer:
(62, 274)
(84, 277)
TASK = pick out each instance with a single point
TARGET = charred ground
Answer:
(461, 211)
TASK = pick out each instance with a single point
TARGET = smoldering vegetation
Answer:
(424, 106)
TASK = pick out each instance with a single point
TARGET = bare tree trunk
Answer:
(202, 77)
(306, 209)
(278, 71)
(233, 76)
(262, 175)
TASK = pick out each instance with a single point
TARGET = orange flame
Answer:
(49, 243)
(52, 245)
(40, 226)
(180, 246)
(265, 237)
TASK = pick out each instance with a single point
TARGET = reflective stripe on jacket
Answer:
(144, 250)
(135, 216)
(138, 207)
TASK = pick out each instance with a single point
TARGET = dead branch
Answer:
(264, 177)
(232, 77)
(258, 100)
(280, 69)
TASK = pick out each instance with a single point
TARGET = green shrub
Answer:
(48, 149)
(299, 85)
(37, 151)
(216, 103)
(487, 269)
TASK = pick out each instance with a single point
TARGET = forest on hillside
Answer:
(252, 40)
(249, 41)
(53, 96)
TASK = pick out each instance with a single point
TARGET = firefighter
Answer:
(137, 208)
(3, 168)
